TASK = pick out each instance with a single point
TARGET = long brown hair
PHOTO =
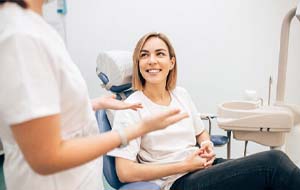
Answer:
(21, 3)
(138, 82)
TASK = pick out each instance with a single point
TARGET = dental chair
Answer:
(114, 71)
(110, 179)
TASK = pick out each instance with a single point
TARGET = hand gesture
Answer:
(162, 120)
(207, 152)
(194, 161)
(110, 102)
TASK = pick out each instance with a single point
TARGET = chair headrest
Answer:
(114, 69)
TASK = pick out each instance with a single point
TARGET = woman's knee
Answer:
(270, 159)
(277, 155)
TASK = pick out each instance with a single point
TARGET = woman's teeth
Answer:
(153, 70)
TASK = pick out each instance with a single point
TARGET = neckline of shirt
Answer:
(158, 105)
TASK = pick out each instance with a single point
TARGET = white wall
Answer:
(223, 47)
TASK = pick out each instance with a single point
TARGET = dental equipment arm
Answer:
(298, 11)
(283, 55)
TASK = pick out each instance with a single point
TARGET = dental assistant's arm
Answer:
(110, 102)
(46, 152)
(130, 171)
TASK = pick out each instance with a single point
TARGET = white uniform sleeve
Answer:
(198, 124)
(29, 86)
(125, 118)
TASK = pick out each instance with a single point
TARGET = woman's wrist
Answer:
(188, 166)
(182, 167)
(207, 142)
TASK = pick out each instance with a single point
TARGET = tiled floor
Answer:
(2, 184)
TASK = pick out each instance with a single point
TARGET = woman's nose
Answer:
(152, 59)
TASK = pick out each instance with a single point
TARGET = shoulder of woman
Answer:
(134, 97)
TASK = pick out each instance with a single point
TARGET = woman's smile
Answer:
(153, 71)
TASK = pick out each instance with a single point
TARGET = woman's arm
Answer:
(130, 171)
(203, 137)
(207, 147)
(46, 152)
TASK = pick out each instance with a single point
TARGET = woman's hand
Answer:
(110, 102)
(162, 120)
(207, 152)
(195, 162)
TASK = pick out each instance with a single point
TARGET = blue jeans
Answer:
(270, 170)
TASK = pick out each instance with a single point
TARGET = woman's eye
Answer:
(143, 55)
(160, 54)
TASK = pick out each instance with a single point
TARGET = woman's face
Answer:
(155, 62)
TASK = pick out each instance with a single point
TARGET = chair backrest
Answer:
(114, 69)
(109, 168)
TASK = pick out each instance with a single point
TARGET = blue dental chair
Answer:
(114, 71)
(111, 180)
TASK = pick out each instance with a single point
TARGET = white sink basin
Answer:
(240, 105)
(236, 109)
(249, 121)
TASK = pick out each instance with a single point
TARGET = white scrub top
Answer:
(37, 79)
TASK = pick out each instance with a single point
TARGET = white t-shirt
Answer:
(37, 79)
(170, 145)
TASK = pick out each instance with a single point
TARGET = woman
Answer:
(170, 157)
(47, 125)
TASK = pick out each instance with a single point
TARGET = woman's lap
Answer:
(259, 171)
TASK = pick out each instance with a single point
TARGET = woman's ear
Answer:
(173, 62)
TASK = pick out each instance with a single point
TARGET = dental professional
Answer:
(170, 157)
(47, 124)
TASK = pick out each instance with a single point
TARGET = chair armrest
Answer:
(218, 140)
(209, 117)
(205, 116)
